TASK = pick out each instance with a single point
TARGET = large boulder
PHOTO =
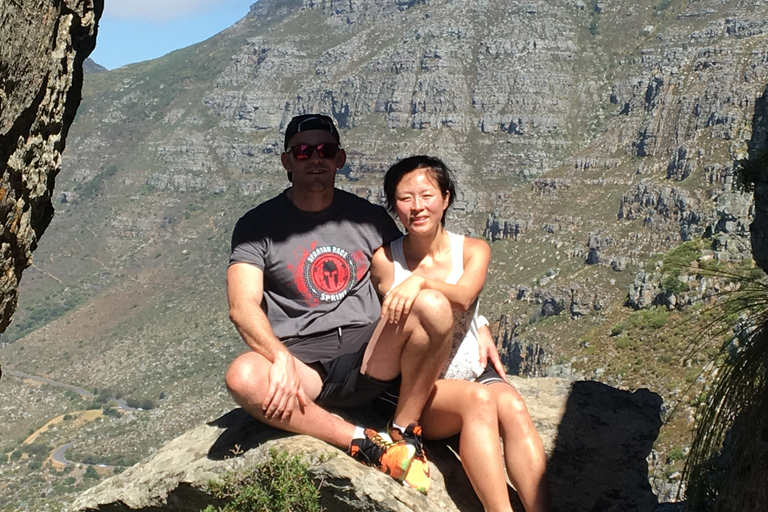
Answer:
(597, 439)
(42, 49)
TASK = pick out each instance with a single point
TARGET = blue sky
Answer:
(138, 30)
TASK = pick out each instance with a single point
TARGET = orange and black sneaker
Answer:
(378, 450)
(418, 475)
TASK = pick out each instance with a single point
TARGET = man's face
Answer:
(314, 173)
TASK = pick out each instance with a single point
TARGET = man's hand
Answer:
(284, 389)
(488, 351)
(397, 304)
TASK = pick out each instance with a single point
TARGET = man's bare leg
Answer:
(415, 348)
(248, 382)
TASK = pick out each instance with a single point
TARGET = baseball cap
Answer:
(306, 122)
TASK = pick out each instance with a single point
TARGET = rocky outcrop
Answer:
(554, 300)
(648, 199)
(644, 290)
(499, 229)
(679, 290)
(42, 49)
(594, 434)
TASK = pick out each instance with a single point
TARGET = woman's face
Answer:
(419, 202)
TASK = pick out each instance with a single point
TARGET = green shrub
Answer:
(145, 404)
(111, 412)
(654, 318)
(34, 465)
(701, 399)
(38, 449)
(618, 329)
(594, 29)
(671, 283)
(281, 484)
(710, 265)
(682, 256)
(675, 454)
(756, 274)
(692, 374)
(90, 473)
(623, 342)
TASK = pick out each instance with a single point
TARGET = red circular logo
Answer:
(330, 273)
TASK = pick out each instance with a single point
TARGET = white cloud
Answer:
(160, 10)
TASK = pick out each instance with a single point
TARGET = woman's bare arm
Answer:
(462, 295)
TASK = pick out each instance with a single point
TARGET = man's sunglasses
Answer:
(327, 150)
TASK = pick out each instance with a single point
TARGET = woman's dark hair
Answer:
(437, 169)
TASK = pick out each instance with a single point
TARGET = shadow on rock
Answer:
(242, 432)
(599, 459)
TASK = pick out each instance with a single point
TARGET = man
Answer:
(300, 296)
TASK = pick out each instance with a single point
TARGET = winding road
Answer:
(58, 455)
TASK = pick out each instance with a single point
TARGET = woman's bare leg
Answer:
(469, 407)
(523, 451)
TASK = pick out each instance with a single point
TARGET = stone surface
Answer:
(595, 435)
(42, 48)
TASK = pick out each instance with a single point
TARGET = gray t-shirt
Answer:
(316, 264)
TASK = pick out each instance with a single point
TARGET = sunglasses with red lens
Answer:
(304, 151)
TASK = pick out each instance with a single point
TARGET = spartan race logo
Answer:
(329, 273)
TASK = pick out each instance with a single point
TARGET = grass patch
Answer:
(648, 319)
(281, 484)
(623, 342)
(681, 256)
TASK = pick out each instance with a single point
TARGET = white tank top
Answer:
(464, 359)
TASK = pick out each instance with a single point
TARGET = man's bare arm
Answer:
(245, 291)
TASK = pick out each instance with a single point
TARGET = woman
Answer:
(469, 399)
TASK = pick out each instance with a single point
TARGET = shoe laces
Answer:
(412, 436)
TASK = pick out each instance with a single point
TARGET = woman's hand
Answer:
(488, 351)
(398, 302)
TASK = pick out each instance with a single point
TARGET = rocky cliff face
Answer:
(42, 49)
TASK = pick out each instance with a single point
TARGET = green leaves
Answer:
(281, 484)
